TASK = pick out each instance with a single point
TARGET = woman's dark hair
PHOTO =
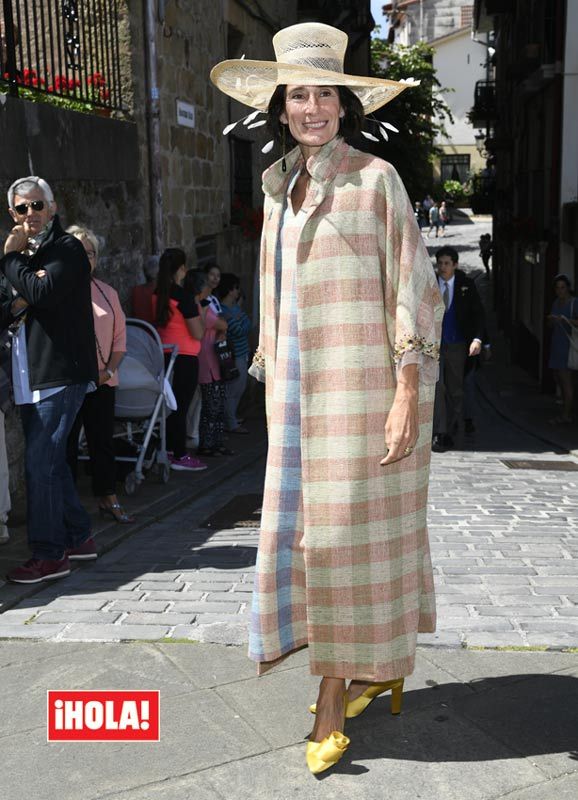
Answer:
(169, 263)
(229, 281)
(564, 278)
(208, 267)
(349, 126)
(195, 281)
(447, 251)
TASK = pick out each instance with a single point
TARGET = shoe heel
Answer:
(396, 698)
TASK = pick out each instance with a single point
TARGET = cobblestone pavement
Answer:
(504, 546)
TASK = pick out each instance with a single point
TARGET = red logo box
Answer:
(103, 716)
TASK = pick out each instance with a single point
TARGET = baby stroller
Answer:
(143, 401)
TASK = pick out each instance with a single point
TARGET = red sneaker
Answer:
(84, 552)
(36, 570)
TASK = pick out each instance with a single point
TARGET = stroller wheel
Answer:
(164, 472)
(130, 483)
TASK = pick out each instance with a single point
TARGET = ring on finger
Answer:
(408, 451)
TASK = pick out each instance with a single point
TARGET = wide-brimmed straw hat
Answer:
(310, 54)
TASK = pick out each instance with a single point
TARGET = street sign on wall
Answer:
(185, 114)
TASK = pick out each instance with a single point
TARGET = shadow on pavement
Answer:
(528, 716)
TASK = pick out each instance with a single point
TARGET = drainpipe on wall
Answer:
(153, 127)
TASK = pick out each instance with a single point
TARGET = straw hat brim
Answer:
(253, 82)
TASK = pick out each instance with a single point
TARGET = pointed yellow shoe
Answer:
(358, 706)
(325, 754)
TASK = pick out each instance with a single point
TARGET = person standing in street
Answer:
(419, 214)
(562, 318)
(97, 411)
(349, 335)
(486, 250)
(212, 416)
(462, 335)
(53, 363)
(427, 203)
(443, 218)
(239, 325)
(434, 220)
(178, 321)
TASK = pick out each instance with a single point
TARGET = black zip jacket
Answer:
(59, 323)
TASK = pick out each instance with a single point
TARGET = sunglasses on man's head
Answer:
(35, 205)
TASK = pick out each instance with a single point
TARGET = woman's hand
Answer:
(402, 425)
(103, 376)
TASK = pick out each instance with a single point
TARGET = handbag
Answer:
(226, 358)
(573, 340)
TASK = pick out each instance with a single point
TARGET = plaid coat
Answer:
(360, 585)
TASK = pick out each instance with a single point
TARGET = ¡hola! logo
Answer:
(103, 716)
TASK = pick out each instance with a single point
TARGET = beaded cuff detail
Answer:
(416, 344)
(259, 360)
(257, 368)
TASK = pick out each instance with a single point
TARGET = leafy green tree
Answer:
(420, 113)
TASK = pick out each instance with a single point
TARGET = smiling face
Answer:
(33, 221)
(312, 114)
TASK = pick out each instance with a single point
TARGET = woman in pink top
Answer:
(97, 411)
(212, 422)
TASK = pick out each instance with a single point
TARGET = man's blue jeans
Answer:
(55, 518)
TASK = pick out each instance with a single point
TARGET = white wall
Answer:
(459, 63)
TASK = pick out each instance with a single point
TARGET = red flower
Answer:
(96, 80)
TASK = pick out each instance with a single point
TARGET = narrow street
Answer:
(503, 542)
(155, 612)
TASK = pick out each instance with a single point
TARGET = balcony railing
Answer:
(484, 110)
(64, 49)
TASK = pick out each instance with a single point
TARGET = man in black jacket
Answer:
(53, 364)
(462, 334)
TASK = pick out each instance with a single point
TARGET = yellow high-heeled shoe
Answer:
(326, 753)
(358, 706)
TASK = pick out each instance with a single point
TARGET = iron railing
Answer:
(63, 48)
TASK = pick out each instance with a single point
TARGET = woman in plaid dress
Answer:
(349, 341)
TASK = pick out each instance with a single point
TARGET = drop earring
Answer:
(283, 162)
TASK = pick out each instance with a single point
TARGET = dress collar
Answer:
(322, 167)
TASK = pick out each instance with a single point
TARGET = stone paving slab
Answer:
(486, 597)
(481, 725)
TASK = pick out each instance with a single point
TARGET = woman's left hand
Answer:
(402, 426)
(103, 377)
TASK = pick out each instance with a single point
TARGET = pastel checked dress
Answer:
(284, 458)
(347, 291)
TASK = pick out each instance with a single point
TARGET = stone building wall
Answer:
(196, 164)
(98, 168)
